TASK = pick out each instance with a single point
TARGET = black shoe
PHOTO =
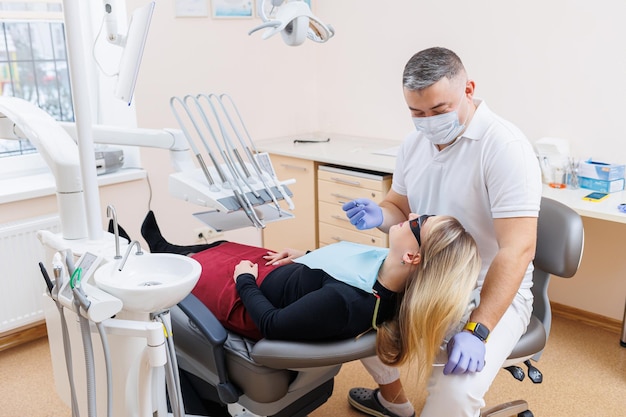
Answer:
(366, 401)
(157, 243)
(120, 231)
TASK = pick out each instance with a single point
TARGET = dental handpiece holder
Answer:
(139, 343)
(93, 303)
(235, 181)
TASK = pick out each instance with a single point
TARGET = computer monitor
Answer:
(133, 51)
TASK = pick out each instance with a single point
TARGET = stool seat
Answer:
(531, 342)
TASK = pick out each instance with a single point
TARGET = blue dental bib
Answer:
(355, 264)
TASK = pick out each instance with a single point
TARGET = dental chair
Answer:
(267, 378)
(560, 241)
(291, 379)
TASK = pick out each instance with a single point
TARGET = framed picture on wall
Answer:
(191, 8)
(232, 9)
(270, 11)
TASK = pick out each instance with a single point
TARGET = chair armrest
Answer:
(216, 335)
(204, 320)
(279, 354)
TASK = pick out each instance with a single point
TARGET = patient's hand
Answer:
(286, 256)
(246, 267)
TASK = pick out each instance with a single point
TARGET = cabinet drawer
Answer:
(357, 179)
(332, 234)
(333, 192)
(333, 214)
(300, 231)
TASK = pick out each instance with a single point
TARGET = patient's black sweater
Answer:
(295, 302)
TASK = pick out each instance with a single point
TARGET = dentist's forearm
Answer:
(391, 215)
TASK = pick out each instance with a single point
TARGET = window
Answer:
(33, 62)
(34, 67)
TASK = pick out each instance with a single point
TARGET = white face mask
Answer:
(442, 128)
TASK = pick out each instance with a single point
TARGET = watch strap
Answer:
(479, 330)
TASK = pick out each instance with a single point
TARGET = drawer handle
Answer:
(341, 180)
(287, 166)
(342, 197)
(337, 217)
(338, 239)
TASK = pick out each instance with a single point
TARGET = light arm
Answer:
(110, 23)
(294, 21)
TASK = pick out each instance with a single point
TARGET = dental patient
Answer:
(413, 293)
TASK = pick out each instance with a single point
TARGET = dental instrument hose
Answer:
(173, 384)
(171, 390)
(67, 347)
(107, 363)
(89, 360)
(171, 375)
(172, 353)
(81, 301)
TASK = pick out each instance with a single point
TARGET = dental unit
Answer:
(125, 300)
(121, 299)
(229, 187)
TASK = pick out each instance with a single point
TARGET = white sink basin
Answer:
(149, 282)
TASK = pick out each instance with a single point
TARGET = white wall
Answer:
(274, 87)
(554, 68)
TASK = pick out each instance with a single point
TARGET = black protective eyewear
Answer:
(416, 226)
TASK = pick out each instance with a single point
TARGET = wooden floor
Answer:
(584, 375)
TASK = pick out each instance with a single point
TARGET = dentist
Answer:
(464, 161)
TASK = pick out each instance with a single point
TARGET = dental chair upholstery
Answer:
(268, 378)
(291, 379)
(560, 241)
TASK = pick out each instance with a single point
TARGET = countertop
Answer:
(604, 210)
(379, 155)
(351, 151)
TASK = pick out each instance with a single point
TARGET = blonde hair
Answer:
(435, 298)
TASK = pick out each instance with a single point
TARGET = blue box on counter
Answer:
(600, 170)
(601, 185)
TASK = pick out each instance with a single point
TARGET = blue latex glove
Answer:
(466, 354)
(363, 213)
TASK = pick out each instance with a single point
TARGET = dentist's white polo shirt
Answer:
(490, 172)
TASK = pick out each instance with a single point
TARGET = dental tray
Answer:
(222, 221)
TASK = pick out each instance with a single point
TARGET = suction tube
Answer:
(89, 361)
(67, 348)
(107, 362)
(171, 371)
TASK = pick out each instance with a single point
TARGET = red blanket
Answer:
(216, 287)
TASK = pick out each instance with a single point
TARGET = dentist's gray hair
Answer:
(427, 67)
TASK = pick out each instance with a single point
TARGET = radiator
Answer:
(21, 282)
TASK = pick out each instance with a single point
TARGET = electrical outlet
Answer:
(207, 234)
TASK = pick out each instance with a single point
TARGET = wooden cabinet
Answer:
(337, 186)
(299, 232)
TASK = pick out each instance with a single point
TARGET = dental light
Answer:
(133, 44)
(294, 20)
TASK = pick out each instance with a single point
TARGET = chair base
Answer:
(201, 399)
(513, 408)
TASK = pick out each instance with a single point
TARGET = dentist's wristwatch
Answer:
(479, 330)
